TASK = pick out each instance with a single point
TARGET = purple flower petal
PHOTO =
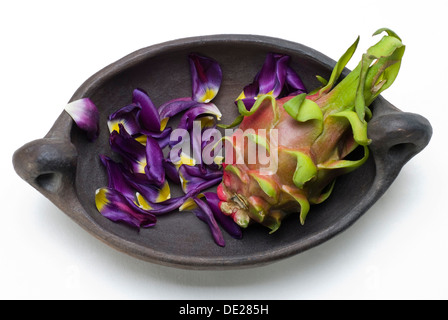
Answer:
(204, 173)
(294, 84)
(127, 116)
(204, 213)
(273, 74)
(171, 171)
(162, 138)
(117, 178)
(132, 152)
(86, 116)
(186, 122)
(275, 78)
(166, 206)
(150, 192)
(116, 207)
(126, 183)
(159, 135)
(193, 182)
(148, 115)
(251, 90)
(155, 170)
(249, 102)
(225, 221)
(176, 106)
(206, 77)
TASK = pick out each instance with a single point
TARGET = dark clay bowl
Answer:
(65, 167)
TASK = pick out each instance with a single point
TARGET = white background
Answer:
(397, 250)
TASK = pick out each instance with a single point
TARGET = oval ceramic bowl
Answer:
(65, 167)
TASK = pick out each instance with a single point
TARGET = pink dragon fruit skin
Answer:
(314, 134)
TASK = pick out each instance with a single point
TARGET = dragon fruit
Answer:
(309, 136)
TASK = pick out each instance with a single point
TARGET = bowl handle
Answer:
(396, 138)
(47, 164)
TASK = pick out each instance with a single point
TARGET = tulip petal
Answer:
(193, 181)
(148, 115)
(275, 78)
(273, 74)
(150, 192)
(206, 77)
(124, 182)
(171, 171)
(154, 162)
(117, 178)
(174, 107)
(132, 152)
(190, 204)
(251, 90)
(161, 207)
(190, 116)
(162, 138)
(294, 84)
(116, 207)
(86, 116)
(204, 173)
(204, 213)
(127, 116)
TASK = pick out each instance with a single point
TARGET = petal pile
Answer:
(276, 78)
(138, 187)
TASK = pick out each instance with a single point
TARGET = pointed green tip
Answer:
(388, 31)
(274, 227)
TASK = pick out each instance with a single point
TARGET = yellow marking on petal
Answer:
(101, 199)
(184, 159)
(165, 193)
(190, 204)
(142, 203)
(141, 166)
(207, 122)
(114, 125)
(241, 96)
(142, 139)
(209, 95)
(183, 182)
(163, 123)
